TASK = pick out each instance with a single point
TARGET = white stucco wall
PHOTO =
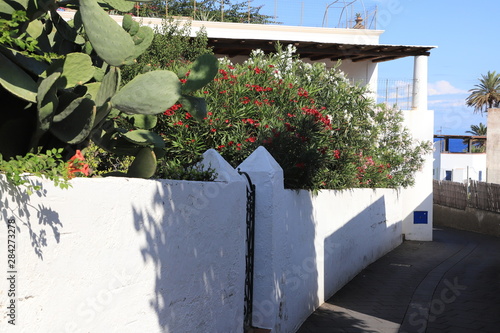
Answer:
(133, 255)
(364, 73)
(127, 255)
(328, 245)
(309, 246)
(420, 124)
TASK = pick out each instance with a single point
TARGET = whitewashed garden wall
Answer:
(134, 255)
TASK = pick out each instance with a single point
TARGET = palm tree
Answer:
(486, 94)
(478, 130)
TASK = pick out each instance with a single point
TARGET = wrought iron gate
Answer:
(250, 219)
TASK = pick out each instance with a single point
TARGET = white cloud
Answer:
(447, 103)
(443, 88)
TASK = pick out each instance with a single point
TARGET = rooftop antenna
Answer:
(345, 7)
(302, 14)
(275, 10)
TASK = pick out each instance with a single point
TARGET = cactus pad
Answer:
(144, 164)
(149, 93)
(203, 71)
(113, 44)
(16, 81)
(144, 138)
(74, 123)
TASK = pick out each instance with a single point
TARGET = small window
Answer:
(449, 173)
(480, 176)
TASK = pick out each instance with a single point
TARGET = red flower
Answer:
(183, 80)
(171, 111)
(78, 156)
(257, 70)
(213, 130)
(250, 139)
(75, 165)
(302, 92)
(336, 153)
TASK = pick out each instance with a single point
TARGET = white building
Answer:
(458, 166)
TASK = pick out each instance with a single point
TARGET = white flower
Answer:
(256, 53)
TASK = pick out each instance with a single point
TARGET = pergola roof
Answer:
(321, 50)
(443, 136)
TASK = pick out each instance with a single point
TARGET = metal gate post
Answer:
(250, 219)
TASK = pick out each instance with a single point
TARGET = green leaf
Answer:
(93, 89)
(149, 93)
(142, 40)
(144, 164)
(65, 30)
(203, 71)
(74, 124)
(16, 81)
(102, 112)
(47, 100)
(144, 121)
(76, 68)
(121, 5)
(113, 44)
(109, 87)
(196, 106)
(144, 137)
(27, 63)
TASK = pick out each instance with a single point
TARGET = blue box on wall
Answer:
(420, 217)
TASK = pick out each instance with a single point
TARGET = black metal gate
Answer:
(250, 218)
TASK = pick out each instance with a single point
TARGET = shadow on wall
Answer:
(318, 245)
(197, 253)
(372, 230)
(356, 244)
(299, 264)
(348, 269)
(16, 203)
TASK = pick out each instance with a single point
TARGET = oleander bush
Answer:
(322, 130)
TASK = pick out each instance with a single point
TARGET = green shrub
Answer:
(322, 130)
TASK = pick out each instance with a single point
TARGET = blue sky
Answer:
(463, 31)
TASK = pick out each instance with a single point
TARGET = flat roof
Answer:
(234, 39)
(439, 136)
(321, 50)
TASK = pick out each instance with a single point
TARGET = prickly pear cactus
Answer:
(60, 82)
